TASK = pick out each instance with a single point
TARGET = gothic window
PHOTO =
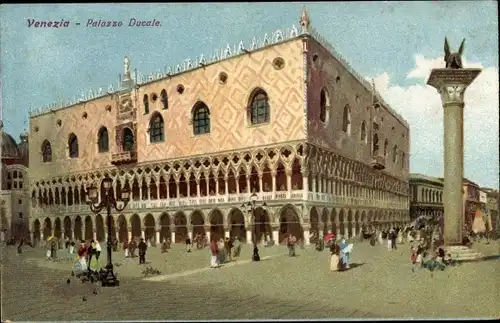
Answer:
(127, 140)
(73, 146)
(346, 120)
(375, 145)
(403, 160)
(46, 152)
(164, 99)
(145, 100)
(201, 119)
(395, 154)
(259, 107)
(324, 105)
(103, 140)
(363, 131)
(386, 147)
(156, 128)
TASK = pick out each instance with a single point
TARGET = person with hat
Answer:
(142, 251)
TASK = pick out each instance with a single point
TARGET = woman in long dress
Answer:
(379, 238)
(213, 254)
(334, 258)
(222, 251)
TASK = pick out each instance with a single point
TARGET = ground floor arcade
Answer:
(269, 222)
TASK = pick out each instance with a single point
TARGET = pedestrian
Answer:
(92, 251)
(71, 249)
(393, 240)
(132, 247)
(125, 248)
(237, 247)
(222, 251)
(97, 250)
(188, 244)
(334, 257)
(142, 251)
(228, 244)
(291, 241)
(214, 254)
(164, 246)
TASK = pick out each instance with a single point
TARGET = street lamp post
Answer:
(250, 206)
(109, 201)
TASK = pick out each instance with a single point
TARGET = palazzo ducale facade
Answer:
(288, 121)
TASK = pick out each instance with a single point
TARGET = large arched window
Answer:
(324, 104)
(127, 140)
(73, 146)
(46, 152)
(363, 131)
(259, 107)
(201, 119)
(156, 125)
(395, 154)
(386, 147)
(103, 140)
(145, 100)
(164, 99)
(346, 120)
(375, 145)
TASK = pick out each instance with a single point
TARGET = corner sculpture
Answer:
(453, 60)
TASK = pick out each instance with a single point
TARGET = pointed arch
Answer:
(46, 151)
(395, 154)
(201, 118)
(128, 140)
(363, 135)
(164, 99)
(346, 120)
(258, 107)
(103, 140)
(375, 145)
(145, 101)
(324, 104)
(156, 128)
(73, 146)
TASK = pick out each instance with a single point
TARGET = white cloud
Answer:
(421, 106)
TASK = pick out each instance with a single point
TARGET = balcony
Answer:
(231, 199)
(378, 162)
(125, 157)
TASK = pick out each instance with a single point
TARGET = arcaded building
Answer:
(426, 196)
(284, 117)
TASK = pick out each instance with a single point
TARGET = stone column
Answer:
(143, 234)
(178, 188)
(188, 187)
(237, 182)
(172, 236)
(140, 192)
(226, 233)
(276, 234)
(451, 85)
(129, 233)
(157, 183)
(94, 235)
(198, 188)
(288, 173)
(273, 177)
(249, 236)
(353, 229)
(261, 187)
(207, 183)
(305, 185)
(314, 184)
(207, 233)
(157, 236)
(249, 190)
(148, 189)
(217, 185)
(320, 232)
(306, 235)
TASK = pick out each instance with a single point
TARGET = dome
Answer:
(9, 147)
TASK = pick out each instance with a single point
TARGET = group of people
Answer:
(129, 249)
(224, 250)
(340, 255)
(438, 260)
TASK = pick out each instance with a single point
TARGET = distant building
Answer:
(426, 196)
(14, 191)
(493, 206)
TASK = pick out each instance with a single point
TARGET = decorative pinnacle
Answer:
(305, 21)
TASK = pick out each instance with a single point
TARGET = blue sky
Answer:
(42, 65)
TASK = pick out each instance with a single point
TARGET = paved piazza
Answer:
(383, 285)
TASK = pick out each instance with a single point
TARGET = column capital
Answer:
(452, 83)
